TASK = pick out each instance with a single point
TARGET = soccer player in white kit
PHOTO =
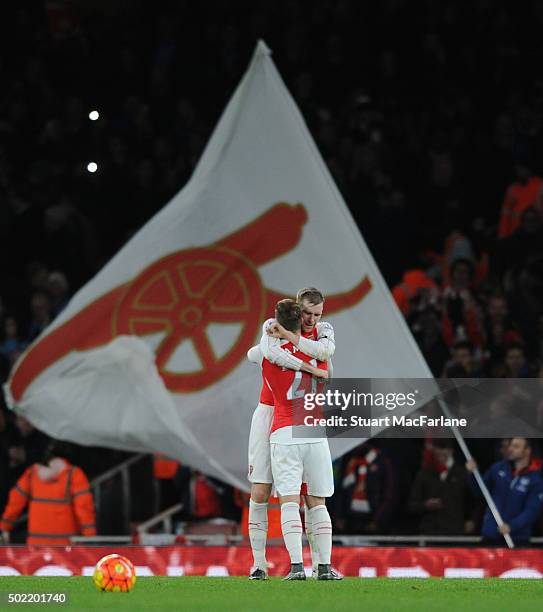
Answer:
(299, 459)
(317, 341)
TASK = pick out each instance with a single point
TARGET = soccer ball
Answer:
(114, 573)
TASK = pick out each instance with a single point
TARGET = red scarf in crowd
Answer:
(356, 473)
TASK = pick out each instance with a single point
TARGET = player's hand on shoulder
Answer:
(325, 336)
(325, 330)
(276, 330)
(273, 330)
(267, 324)
(319, 373)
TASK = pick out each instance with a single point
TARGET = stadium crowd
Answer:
(434, 136)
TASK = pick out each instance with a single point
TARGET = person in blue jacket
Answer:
(516, 485)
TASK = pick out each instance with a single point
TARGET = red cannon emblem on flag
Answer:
(180, 296)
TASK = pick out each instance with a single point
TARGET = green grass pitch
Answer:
(240, 594)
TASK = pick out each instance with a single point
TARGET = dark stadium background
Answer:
(425, 112)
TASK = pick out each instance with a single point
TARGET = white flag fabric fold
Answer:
(150, 354)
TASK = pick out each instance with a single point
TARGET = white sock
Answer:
(258, 532)
(291, 525)
(311, 539)
(322, 532)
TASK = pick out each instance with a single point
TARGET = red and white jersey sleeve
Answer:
(272, 350)
(323, 346)
(254, 355)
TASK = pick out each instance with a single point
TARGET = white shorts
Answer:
(293, 464)
(259, 445)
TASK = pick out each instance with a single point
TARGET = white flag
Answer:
(150, 354)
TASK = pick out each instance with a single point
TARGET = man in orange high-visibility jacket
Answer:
(522, 194)
(59, 499)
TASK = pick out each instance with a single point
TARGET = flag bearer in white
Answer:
(297, 460)
(317, 341)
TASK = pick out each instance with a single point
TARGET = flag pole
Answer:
(478, 478)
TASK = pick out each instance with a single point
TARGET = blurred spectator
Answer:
(462, 319)
(459, 247)
(2, 310)
(26, 445)
(520, 195)
(368, 494)
(537, 341)
(462, 364)
(539, 420)
(41, 314)
(525, 243)
(12, 345)
(70, 240)
(58, 289)
(5, 481)
(424, 320)
(59, 500)
(499, 328)
(164, 471)
(516, 485)
(37, 275)
(516, 364)
(415, 288)
(524, 287)
(439, 494)
(204, 497)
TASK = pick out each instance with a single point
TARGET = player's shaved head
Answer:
(289, 314)
(311, 302)
(311, 295)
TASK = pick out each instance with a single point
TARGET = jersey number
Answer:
(299, 386)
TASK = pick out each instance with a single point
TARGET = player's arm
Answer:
(318, 372)
(19, 496)
(532, 507)
(83, 502)
(254, 355)
(322, 348)
(272, 351)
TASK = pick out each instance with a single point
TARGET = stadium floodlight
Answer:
(94, 115)
(92, 167)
